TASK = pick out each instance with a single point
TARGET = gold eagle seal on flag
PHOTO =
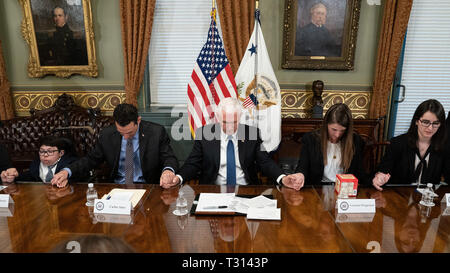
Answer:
(266, 93)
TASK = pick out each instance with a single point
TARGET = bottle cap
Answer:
(91, 185)
(429, 185)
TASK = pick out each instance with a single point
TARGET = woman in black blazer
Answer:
(333, 149)
(420, 155)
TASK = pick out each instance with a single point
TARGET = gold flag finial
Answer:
(213, 11)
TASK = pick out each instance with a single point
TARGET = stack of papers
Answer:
(259, 207)
(133, 195)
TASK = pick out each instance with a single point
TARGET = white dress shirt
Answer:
(43, 170)
(333, 165)
(222, 175)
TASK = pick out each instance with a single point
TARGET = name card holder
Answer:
(356, 206)
(5, 200)
(354, 217)
(112, 207)
(113, 218)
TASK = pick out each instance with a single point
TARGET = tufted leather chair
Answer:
(65, 119)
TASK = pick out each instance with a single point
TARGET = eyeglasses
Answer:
(426, 123)
(48, 152)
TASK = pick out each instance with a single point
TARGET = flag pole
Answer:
(256, 57)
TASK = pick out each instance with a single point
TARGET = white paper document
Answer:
(260, 202)
(215, 202)
(267, 213)
(133, 195)
(122, 196)
(239, 205)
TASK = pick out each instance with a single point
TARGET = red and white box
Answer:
(346, 185)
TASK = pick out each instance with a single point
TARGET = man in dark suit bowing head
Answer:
(137, 151)
(229, 153)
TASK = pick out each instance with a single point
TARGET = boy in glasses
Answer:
(53, 157)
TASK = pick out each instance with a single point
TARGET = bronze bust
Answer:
(317, 101)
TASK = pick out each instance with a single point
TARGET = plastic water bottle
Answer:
(91, 195)
(427, 196)
(181, 204)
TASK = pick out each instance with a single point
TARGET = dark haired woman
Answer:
(419, 155)
(333, 149)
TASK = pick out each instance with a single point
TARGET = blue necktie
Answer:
(231, 163)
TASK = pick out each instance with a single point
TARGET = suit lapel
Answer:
(216, 145)
(142, 145)
(34, 168)
(412, 161)
(432, 162)
(116, 143)
(241, 147)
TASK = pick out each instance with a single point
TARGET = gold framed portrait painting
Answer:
(320, 34)
(60, 36)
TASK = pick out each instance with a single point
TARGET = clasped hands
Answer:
(167, 179)
(294, 181)
(380, 179)
(9, 175)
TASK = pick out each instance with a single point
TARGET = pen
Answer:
(215, 207)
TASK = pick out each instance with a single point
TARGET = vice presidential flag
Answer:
(257, 83)
(211, 80)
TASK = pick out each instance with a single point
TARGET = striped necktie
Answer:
(49, 175)
(129, 164)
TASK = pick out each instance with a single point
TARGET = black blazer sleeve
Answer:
(5, 162)
(193, 164)
(94, 158)
(307, 153)
(392, 155)
(267, 166)
(166, 154)
(446, 171)
(356, 166)
(32, 174)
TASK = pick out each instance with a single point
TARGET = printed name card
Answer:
(447, 199)
(112, 206)
(356, 205)
(5, 200)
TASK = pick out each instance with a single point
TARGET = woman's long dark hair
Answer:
(438, 139)
(339, 113)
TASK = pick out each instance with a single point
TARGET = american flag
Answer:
(211, 80)
(250, 101)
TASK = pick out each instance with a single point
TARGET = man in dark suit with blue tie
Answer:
(229, 153)
(137, 151)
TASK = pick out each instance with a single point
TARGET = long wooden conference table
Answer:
(44, 216)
